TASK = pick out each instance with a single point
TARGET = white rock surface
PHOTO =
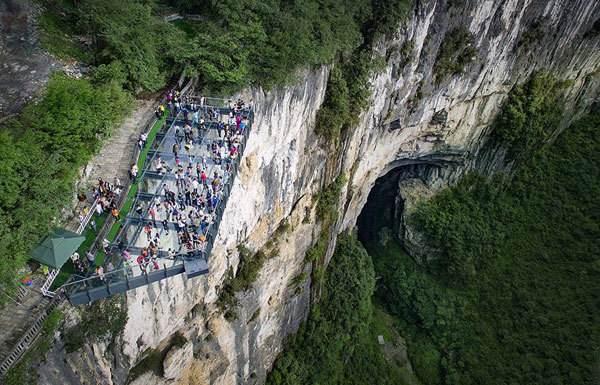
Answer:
(177, 360)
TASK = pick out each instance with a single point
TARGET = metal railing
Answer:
(83, 224)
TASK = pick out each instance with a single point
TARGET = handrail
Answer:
(83, 224)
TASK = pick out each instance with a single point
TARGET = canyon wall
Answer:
(412, 118)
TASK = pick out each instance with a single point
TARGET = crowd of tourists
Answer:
(105, 196)
(189, 207)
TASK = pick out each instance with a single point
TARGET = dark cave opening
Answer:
(384, 205)
(381, 207)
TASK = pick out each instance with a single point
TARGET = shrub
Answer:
(530, 115)
(335, 109)
(247, 273)
(337, 345)
(456, 51)
(100, 320)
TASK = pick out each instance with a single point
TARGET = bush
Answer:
(100, 321)
(348, 91)
(153, 358)
(530, 115)
(337, 327)
(336, 107)
(426, 361)
(247, 273)
(456, 51)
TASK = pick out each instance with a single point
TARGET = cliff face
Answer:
(412, 119)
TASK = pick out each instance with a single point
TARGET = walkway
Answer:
(21, 322)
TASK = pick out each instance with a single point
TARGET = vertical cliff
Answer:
(448, 68)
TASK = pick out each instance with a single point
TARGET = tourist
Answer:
(139, 209)
(91, 258)
(105, 245)
(148, 231)
(116, 214)
(133, 172)
(152, 213)
(100, 272)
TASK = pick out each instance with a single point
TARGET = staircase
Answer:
(30, 335)
(46, 286)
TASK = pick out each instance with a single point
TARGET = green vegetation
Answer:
(99, 320)
(348, 88)
(532, 35)
(338, 344)
(237, 43)
(530, 115)
(57, 37)
(456, 51)
(336, 107)
(247, 273)
(347, 94)
(40, 154)
(327, 212)
(512, 296)
(124, 38)
(20, 373)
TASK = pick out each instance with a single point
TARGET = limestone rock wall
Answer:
(412, 119)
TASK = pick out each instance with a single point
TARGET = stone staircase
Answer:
(31, 326)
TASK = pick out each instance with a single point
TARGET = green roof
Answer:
(57, 247)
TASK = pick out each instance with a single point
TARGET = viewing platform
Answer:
(181, 193)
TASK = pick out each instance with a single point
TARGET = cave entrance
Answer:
(382, 214)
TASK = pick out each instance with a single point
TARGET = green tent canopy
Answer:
(57, 247)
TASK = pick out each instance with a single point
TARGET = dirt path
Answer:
(115, 155)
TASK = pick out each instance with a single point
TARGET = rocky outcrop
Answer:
(25, 67)
(414, 118)
(177, 360)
